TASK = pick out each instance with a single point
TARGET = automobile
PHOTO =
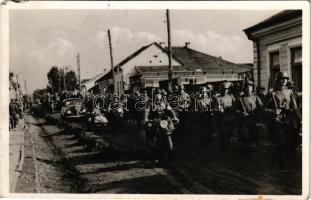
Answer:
(73, 110)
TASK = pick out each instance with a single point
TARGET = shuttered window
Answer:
(296, 67)
(274, 63)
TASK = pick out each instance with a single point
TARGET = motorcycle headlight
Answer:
(119, 110)
(83, 110)
(69, 112)
(163, 123)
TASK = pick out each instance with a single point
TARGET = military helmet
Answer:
(163, 92)
(158, 91)
(282, 75)
(225, 85)
(209, 86)
(249, 82)
(204, 89)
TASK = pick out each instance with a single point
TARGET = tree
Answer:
(56, 79)
(53, 78)
(71, 81)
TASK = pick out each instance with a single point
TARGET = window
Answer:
(149, 83)
(296, 67)
(274, 63)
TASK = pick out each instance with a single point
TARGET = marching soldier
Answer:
(184, 114)
(261, 94)
(248, 106)
(225, 115)
(205, 112)
(296, 124)
(184, 99)
(291, 86)
(282, 105)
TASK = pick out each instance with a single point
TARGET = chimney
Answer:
(187, 44)
(162, 44)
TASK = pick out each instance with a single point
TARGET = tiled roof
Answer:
(275, 19)
(84, 80)
(161, 68)
(198, 60)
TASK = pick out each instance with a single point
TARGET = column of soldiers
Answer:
(240, 114)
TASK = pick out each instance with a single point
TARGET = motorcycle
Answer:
(159, 137)
(116, 117)
(97, 120)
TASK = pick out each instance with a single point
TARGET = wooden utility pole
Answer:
(59, 73)
(115, 87)
(25, 87)
(79, 76)
(17, 91)
(64, 78)
(169, 51)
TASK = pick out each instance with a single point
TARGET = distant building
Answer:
(149, 65)
(277, 43)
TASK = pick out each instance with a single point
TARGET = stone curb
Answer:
(19, 167)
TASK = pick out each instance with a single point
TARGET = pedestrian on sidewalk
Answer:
(13, 114)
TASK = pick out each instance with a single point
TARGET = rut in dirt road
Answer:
(49, 171)
(112, 170)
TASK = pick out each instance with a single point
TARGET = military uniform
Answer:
(184, 126)
(205, 114)
(248, 107)
(159, 109)
(13, 110)
(225, 116)
(284, 114)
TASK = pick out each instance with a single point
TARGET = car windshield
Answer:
(72, 102)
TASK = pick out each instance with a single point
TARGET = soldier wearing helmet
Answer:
(291, 86)
(260, 92)
(225, 115)
(248, 107)
(183, 107)
(282, 106)
(158, 108)
(205, 113)
(184, 99)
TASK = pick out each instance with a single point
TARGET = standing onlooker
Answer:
(13, 114)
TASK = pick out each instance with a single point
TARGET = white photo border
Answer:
(106, 5)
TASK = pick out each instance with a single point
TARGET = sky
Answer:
(40, 39)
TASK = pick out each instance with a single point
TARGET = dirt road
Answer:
(57, 160)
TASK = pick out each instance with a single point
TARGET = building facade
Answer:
(277, 43)
(149, 65)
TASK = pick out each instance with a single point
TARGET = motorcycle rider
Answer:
(158, 109)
